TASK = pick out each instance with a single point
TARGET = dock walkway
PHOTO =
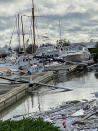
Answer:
(68, 67)
(17, 93)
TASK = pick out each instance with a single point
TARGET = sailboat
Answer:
(28, 62)
(24, 62)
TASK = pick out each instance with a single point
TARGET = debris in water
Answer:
(64, 124)
(71, 116)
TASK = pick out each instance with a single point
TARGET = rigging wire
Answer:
(37, 33)
(13, 32)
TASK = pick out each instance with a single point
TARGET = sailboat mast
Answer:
(19, 32)
(33, 20)
(60, 28)
(23, 36)
(13, 33)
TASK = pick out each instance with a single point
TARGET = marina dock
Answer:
(67, 67)
(17, 93)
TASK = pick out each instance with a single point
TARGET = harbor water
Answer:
(83, 86)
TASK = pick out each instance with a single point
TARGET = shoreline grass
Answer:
(27, 124)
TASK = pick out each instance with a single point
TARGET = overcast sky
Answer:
(78, 20)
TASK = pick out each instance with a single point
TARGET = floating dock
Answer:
(17, 93)
(12, 96)
(68, 67)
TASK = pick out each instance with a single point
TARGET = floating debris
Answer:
(64, 124)
(76, 116)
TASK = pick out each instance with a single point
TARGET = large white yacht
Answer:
(76, 53)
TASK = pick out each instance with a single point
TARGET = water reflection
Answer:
(7, 111)
(63, 77)
(83, 84)
(59, 76)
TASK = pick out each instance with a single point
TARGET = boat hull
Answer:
(77, 57)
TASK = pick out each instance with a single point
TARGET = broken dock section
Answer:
(38, 79)
(18, 92)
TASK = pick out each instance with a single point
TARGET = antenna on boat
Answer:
(23, 35)
(33, 22)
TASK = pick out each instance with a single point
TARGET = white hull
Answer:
(77, 57)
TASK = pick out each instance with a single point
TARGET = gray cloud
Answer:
(79, 19)
(6, 23)
(8, 1)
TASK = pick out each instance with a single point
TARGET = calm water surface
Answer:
(83, 85)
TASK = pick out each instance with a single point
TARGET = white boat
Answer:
(76, 54)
